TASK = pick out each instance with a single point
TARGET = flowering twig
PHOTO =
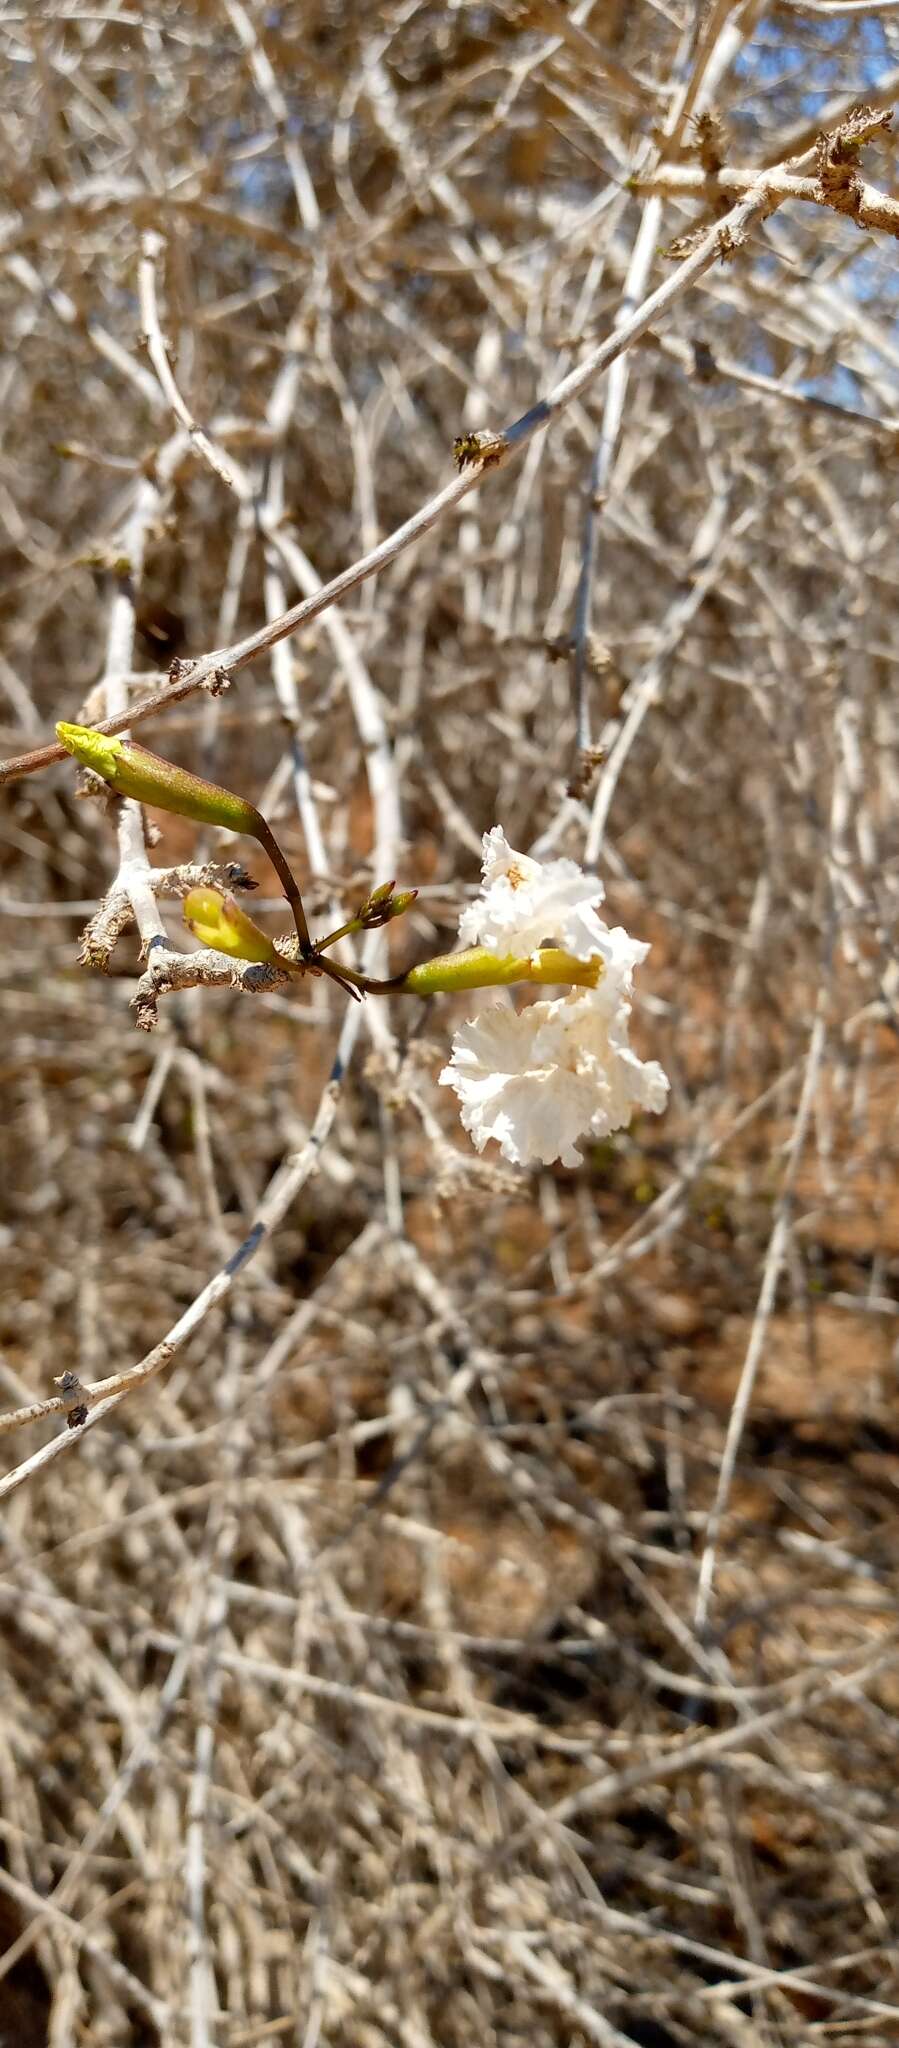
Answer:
(521, 905)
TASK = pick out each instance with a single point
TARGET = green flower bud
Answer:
(131, 770)
(382, 906)
(217, 920)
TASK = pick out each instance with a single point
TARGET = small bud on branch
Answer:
(219, 921)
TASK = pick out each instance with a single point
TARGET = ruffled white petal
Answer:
(539, 1079)
(524, 904)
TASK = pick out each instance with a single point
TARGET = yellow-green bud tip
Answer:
(95, 750)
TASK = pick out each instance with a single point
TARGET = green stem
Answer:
(344, 931)
(263, 832)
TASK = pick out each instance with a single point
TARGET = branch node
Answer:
(72, 1393)
(217, 683)
(483, 446)
(837, 155)
(584, 775)
(709, 141)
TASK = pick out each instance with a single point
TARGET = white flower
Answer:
(538, 1079)
(524, 903)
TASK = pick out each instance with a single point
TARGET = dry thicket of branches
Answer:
(467, 1616)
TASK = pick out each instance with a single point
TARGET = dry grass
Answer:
(483, 1633)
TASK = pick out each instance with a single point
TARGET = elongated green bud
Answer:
(449, 973)
(131, 770)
